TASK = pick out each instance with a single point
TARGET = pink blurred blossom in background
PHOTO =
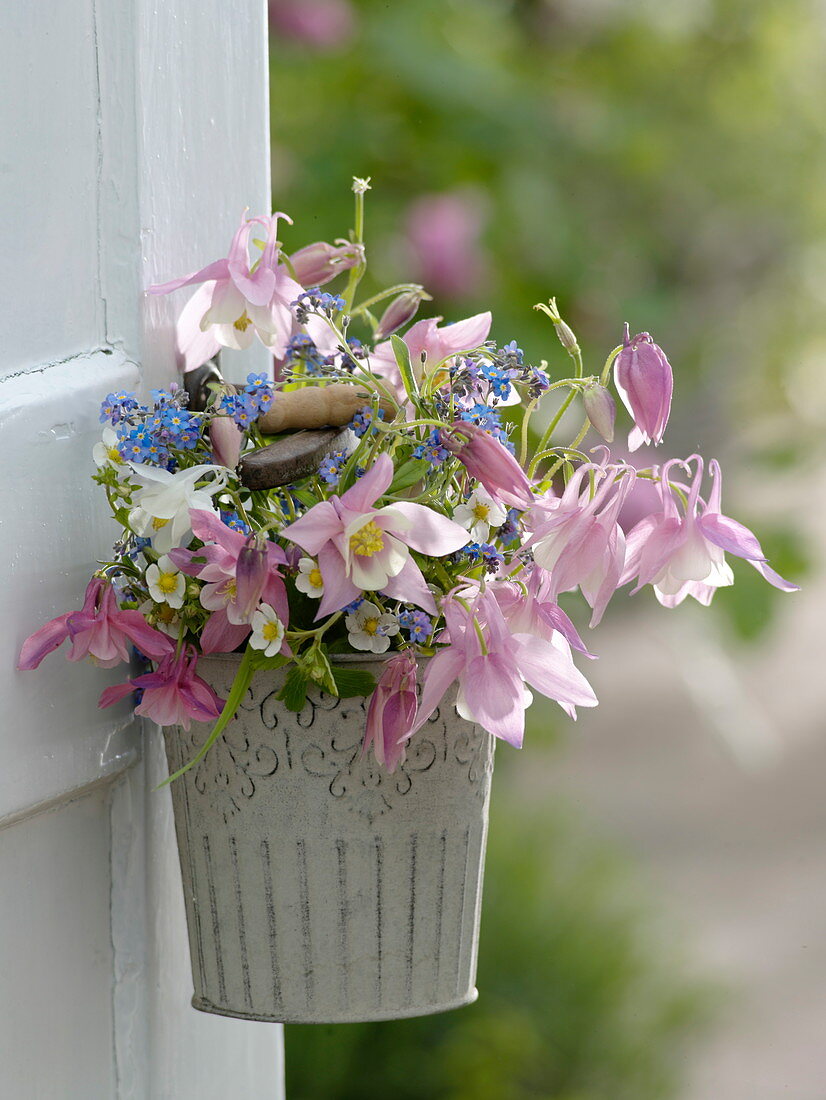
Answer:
(320, 24)
(443, 233)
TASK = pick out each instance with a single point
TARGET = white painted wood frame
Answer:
(134, 134)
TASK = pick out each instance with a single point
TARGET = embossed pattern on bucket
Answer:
(318, 887)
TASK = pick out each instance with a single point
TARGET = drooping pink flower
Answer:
(237, 300)
(492, 666)
(362, 548)
(683, 553)
(437, 344)
(233, 581)
(172, 695)
(644, 381)
(444, 233)
(99, 630)
(577, 538)
(392, 711)
(489, 462)
(529, 608)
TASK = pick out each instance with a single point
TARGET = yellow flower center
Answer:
(315, 578)
(480, 511)
(271, 631)
(243, 322)
(168, 582)
(157, 524)
(368, 540)
(370, 626)
(113, 454)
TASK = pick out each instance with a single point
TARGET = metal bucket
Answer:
(318, 887)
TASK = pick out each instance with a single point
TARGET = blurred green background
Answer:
(660, 163)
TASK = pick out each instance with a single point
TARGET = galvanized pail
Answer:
(318, 887)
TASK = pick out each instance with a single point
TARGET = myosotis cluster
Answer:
(439, 527)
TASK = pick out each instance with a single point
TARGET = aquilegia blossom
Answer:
(99, 630)
(237, 576)
(683, 553)
(492, 666)
(362, 548)
(576, 537)
(236, 300)
(172, 695)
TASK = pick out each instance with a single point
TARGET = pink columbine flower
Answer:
(437, 344)
(391, 714)
(577, 538)
(492, 666)
(99, 630)
(489, 462)
(361, 548)
(172, 695)
(644, 381)
(684, 554)
(237, 577)
(529, 608)
(235, 302)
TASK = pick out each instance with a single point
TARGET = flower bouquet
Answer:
(374, 525)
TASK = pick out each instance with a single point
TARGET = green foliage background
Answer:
(656, 162)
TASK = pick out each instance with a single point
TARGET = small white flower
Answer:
(371, 629)
(162, 504)
(106, 452)
(162, 617)
(267, 630)
(309, 579)
(479, 514)
(166, 584)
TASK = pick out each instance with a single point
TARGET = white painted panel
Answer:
(49, 286)
(55, 527)
(56, 955)
(205, 151)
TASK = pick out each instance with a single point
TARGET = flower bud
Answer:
(644, 381)
(489, 462)
(391, 714)
(566, 336)
(600, 410)
(399, 312)
(225, 438)
(318, 263)
(251, 575)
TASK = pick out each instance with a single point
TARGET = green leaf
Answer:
(402, 354)
(260, 662)
(237, 692)
(408, 474)
(294, 692)
(353, 681)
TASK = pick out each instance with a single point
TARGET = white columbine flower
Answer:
(106, 452)
(161, 511)
(267, 630)
(309, 578)
(479, 514)
(166, 583)
(369, 628)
